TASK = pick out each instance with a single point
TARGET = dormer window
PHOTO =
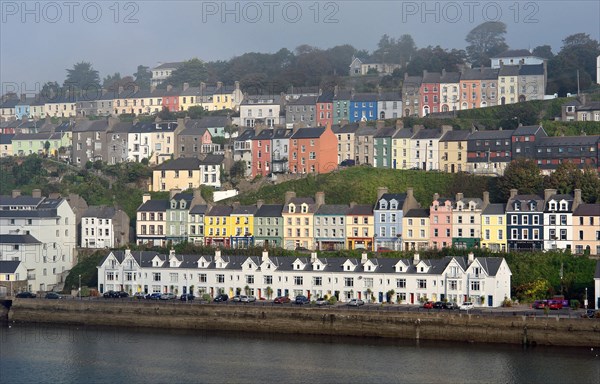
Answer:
(563, 205)
(517, 206)
(292, 208)
(173, 204)
(552, 206)
(422, 269)
(304, 208)
(383, 204)
(393, 205)
(532, 206)
(347, 267)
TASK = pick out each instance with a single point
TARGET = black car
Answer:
(221, 298)
(438, 305)
(25, 295)
(450, 305)
(115, 295)
(348, 163)
(53, 295)
(302, 300)
(187, 297)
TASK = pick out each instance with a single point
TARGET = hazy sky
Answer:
(39, 40)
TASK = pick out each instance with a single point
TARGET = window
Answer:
(220, 278)
(400, 283)
(298, 280)
(349, 282)
(475, 286)
(421, 284)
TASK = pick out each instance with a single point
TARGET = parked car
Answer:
(53, 295)
(140, 295)
(281, 300)
(111, 294)
(221, 298)
(122, 294)
(438, 305)
(355, 303)
(168, 296)
(450, 305)
(539, 304)
(187, 297)
(301, 300)
(555, 304)
(236, 298)
(154, 296)
(590, 313)
(322, 301)
(428, 305)
(348, 163)
(25, 295)
(247, 299)
(466, 306)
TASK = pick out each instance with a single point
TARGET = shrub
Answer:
(332, 300)
(206, 297)
(574, 304)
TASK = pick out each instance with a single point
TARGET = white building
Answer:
(260, 110)
(48, 252)
(515, 57)
(161, 72)
(424, 148)
(485, 281)
(558, 219)
(210, 170)
(104, 227)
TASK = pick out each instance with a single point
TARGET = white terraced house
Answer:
(484, 281)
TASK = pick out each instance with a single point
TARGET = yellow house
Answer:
(508, 90)
(452, 151)
(298, 215)
(493, 228)
(401, 149)
(182, 173)
(61, 108)
(217, 226)
(227, 97)
(586, 229)
(242, 225)
(415, 229)
(360, 227)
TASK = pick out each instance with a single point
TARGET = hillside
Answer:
(359, 184)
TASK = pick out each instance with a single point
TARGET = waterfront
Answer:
(60, 354)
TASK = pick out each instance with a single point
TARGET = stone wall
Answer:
(452, 326)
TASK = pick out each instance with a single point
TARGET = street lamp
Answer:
(79, 292)
(585, 302)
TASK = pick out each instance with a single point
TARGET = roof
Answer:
(308, 133)
(587, 210)
(269, 210)
(248, 134)
(509, 70)
(567, 140)
(154, 206)
(424, 134)
(531, 70)
(244, 210)
(527, 130)
(348, 128)
(209, 122)
(480, 74)
(9, 266)
(304, 100)
(417, 212)
(399, 197)
(490, 135)
(390, 96)
(212, 159)
(199, 209)
(494, 209)
(173, 65)
(6, 139)
(18, 239)
(431, 77)
(450, 77)
(514, 53)
(361, 209)
(365, 97)
(181, 163)
(220, 210)
(100, 211)
(332, 209)
(385, 132)
(404, 133)
(460, 135)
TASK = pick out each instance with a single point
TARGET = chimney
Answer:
(186, 86)
(265, 255)
(446, 129)
(235, 204)
(202, 88)
(436, 196)
(577, 199)
(289, 195)
(459, 196)
(120, 89)
(409, 193)
(259, 203)
(146, 197)
(513, 193)
(399, 124)
(416, 129)
(336, 89)
(320, 198)
(416, 258)
(219, 84)
(486, 199)
(381, 191)
(470, 257)
(171, 253)
(173, 192)
(237, 85)
(443, 72)
(380, 124)
(352, 204)
(36, 193)
(363, 258)
(313, 257)
(16, 193)
(152, 88)
(548, 193)
(362, 124)
(217, 254)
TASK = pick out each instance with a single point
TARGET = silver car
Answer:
(168, 296)
(247, 299)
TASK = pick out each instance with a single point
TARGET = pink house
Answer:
(440, 222)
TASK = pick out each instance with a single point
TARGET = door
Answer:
(490, 301)
(184, 290)
(278, 292)
(412, 298)
(381, 297)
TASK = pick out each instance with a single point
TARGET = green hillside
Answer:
(359, 184)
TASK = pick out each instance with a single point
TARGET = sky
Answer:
(39, 40)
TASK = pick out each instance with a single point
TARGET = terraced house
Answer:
(330, 227)
(217, 226)
(493, 228)
(483, 281)
(298, 220)
(388, 214)
(360, 227)
(268, 223)
(150, 226)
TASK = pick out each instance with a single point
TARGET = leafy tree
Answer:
(196, 112)
(30, 171)
(577, 55)
(109, 80)
(485, 41)
(565, 178)
(521, 174)
(589, 184)
(143, 77)
(435, 59)
(165, 114)
(543, 51)
(238, 170)
(81, 77)
(51, 90)
(391, 50)
(192, 71)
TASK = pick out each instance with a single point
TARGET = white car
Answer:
(466, 306)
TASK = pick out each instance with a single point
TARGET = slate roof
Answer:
(385, 132)
(531, 70)
(399, 197)
(450, 77)
(361, 209)
(212, 159)
(8, 200)
(557, 198)
(509, 70)
(424, 134)
(9, 266)
(248, 134)
(494, 209)
(412, 81)
(480, 74)
(209, 122)
(269, 210)
(304, 100)
(219, 210)
(431, 77)
(244, 210)
(188, 197)
(371, 97)
(567, 140)
(513, 53)
(308, 133)
(6, 139)
(390, 96)
(348, 128)
(199, 209)
(587, 210)
(459, 135)
(366, 131)
(154, 206)
(332, 209)
(417, 212)
(100, 211)
(181, 163)
(404, 133)
(18, 239)
(342, 95)
(527, 130)
(491, 135)
(173, 65)
(525, 200)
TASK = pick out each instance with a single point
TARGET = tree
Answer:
(543, 51)
(590, 185)
(82, 77)
(51, 90)
(238, 170)
(521, 174)
(143, 77)
(576, 57)
(110, 80)
(192, 72)
(565, 178)
(196, 112)
(165, 114)
(485, 41)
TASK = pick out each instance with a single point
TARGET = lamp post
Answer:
(79, 291)
(585, 302)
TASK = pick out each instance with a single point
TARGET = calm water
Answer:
(51, 354)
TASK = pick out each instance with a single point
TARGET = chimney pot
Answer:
(16, 193)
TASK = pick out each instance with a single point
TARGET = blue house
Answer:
(363, 107)
(388, 213)
(525, 222)
(23, 109)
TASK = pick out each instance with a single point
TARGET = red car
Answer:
(555, 305)
(281, 300)
(428, 305)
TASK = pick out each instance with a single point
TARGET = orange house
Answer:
(313, 150)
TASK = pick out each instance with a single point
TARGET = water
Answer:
(59, 354)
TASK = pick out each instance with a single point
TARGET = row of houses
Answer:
(484, 281)
(395, 222)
